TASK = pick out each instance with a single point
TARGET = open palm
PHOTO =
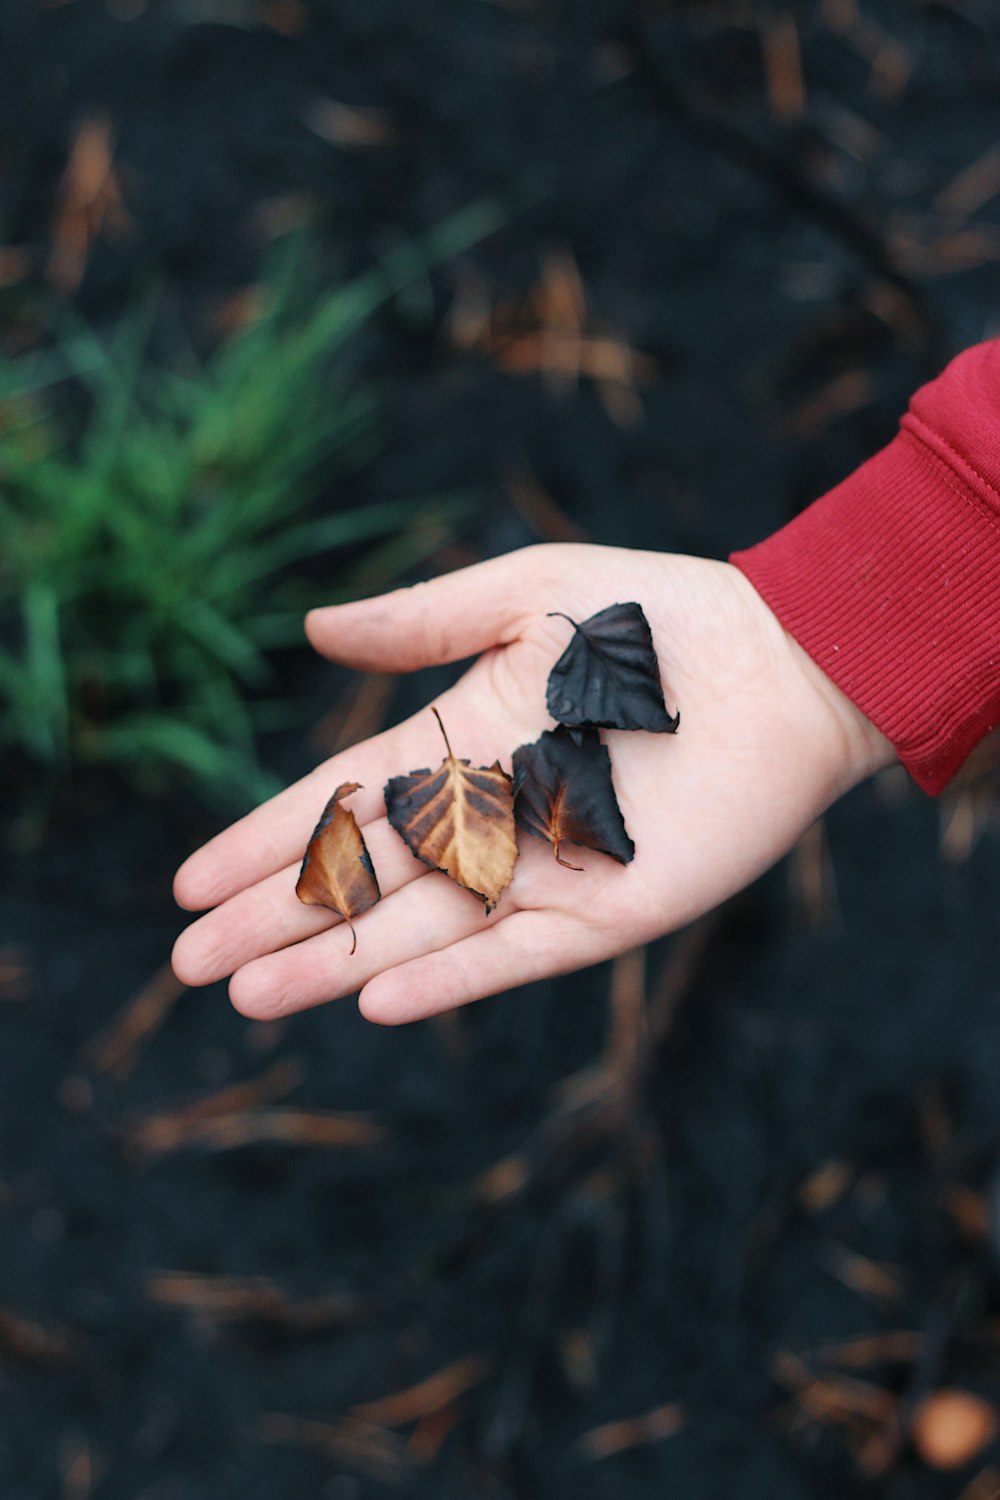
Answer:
(766, 743)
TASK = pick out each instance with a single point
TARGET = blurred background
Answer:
(299, 298)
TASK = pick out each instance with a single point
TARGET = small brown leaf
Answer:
(950, 1427)
(458, 819)
(564, 793)
(337, 871)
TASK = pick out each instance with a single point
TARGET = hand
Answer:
(766, 743)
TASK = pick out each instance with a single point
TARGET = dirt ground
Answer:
(778, 222)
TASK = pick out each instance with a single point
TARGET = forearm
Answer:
(891, 581)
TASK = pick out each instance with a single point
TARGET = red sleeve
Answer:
(891, 581)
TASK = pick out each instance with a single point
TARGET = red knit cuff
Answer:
(891, 583)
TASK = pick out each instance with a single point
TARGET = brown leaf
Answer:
(458, 819)
(337, 871)
(950, 1427)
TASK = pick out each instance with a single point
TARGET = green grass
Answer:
(151, 552)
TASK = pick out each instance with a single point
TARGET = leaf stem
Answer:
(451, 753)
(565, 862)
(557, 614)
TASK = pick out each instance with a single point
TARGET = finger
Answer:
(425, 915)
(268, 916)
(457, 615)
(527, 945)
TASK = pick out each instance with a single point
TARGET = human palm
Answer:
(766, 743)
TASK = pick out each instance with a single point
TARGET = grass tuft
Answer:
(155, 542)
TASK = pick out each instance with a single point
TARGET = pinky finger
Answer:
(525, 946)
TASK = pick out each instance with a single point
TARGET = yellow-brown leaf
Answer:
(337, 871)
(458, 819)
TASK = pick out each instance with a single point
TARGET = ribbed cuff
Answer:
(891, 583)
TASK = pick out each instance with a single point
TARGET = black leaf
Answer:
(608, 676)
(563, 793)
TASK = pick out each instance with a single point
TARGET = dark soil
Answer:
(846, 1010)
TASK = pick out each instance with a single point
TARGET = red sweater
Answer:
(891, 581)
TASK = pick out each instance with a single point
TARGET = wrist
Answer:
(858, 748)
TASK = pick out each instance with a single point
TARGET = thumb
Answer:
(428, 624)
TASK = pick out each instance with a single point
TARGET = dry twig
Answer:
(632, 1432)
(250, 1299)
(117, 1048)
(363, 1446)
(429, 1396)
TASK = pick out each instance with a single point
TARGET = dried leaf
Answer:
(458, 819)
(563, 793)
(950, 1427)
(608, 676)
(337, 871)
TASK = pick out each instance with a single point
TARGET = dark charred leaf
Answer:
(337, 871)
(608, 676)
(563, 793)
(459, 819)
